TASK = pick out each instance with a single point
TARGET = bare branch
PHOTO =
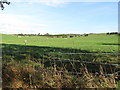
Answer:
(2, 2)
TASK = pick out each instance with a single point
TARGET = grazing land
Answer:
(92, 43)
(56, 62)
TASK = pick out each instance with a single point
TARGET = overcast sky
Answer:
(59, 17)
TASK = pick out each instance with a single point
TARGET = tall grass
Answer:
(19, 75)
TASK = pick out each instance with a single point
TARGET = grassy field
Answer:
(48, 47)
(92, 43)
(41, 62)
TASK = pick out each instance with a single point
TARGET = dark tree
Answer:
(2, 2)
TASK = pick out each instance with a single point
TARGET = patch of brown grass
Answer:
(21, 76)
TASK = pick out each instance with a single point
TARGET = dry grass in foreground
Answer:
(21, 76)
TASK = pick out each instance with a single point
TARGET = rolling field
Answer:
(43, 62)
(40, 47)
(92, 43)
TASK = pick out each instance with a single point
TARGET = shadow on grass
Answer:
(20, 52)
(50, 55)
(110, 44)
(43, 48)
(36, 51)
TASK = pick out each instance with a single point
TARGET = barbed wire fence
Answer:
(64, 63)
(74, 67)
(61, 62)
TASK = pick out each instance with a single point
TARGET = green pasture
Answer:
(43, 53)
(47, 49)
(92, 43)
